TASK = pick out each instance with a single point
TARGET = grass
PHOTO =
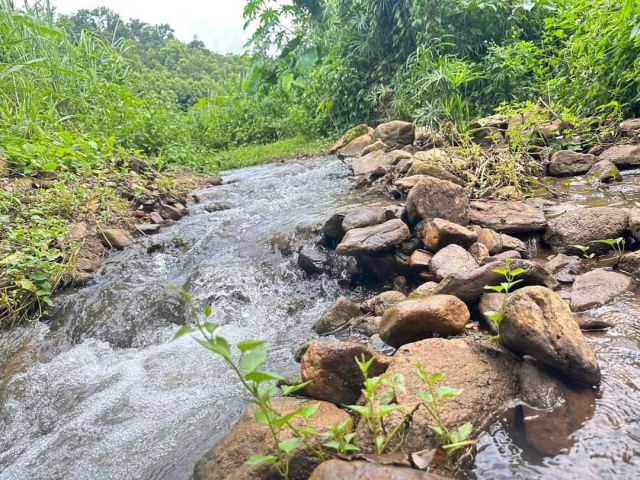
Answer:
(282, 149)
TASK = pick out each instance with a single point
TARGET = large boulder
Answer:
(374, 147)
(491, 239)
(372, 162)
(629, 128)
(622, 156)
(434, 198)
(604, 171)
(539, 323)
(507, 217)
(332, 371)
(439, 233)
(452, 259)
(596, 288)
(586, 225)
(419, 260)
(332, 228)
(228, 460)
(115, 238)
(363, 217)
(430, 170)
(470, 287)
(488, 380)
(413, 320)
(564, 267)
(566, 163)
(395, 133)
(378, 238)
(351, 134)
(336, 316)
(383, 302)
(425, 290)
(355, 146)
(361, 470)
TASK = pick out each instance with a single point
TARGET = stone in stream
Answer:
(382, 302)
(332, 228)
(491, 239)
(336, 316)
(172, 212)
(634, 222)
(372, 162)
(622, 156)
(355, 132)
(604, 171)
(425, 290)
(355, 146)
(435, 198)
(629, 128)
(333, 373)
(363, 470)
(374, 147)
(584, 226)
(413, 320)
(452, 259)
(596, 288)
(507, 217)
(513, 243)
(420, 260)
(115, 238)
(439, 233)
(487, 376)
(564, 267)
(378, 238)
(395, 133)
(512, 254)
(630, 263)
(566, 163)
(539, 323)
(366, 325)
(470, 287)
(148, 228)
(363, 217)
(228, 459)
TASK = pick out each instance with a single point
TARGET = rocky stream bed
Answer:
(396, 268)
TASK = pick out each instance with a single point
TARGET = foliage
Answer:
(510, 280)
(585, 251)
(616, 244)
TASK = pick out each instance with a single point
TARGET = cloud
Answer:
(218, 23)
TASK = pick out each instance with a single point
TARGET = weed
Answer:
(585, 251)
(616, 244)
(510, 276)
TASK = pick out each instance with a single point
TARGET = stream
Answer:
(102, 392)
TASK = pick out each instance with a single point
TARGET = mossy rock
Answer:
(432, 170)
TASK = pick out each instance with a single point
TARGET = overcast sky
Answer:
(218, 23)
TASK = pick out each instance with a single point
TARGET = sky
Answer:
(218, 23)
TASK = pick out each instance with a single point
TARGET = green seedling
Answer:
(510, 275)
(585, 251)
(616, 244)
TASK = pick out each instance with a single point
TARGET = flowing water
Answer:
(101, 391)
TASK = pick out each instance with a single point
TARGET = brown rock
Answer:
(429, 169)
(374, 147)
(491, 239)
(596, 288)
(512, 254)
(333, 373)
(630, 263)
(214, 180)
(507, 217)
(171, 212)
(79, 232)
(155, 217)
(622, 156)
(378, 238)
(564, 267)
(332, 228)
(115, 238)
(567, 163)
(371, 162)
(382, 302)
(420, 259)
(359, 470)
(228, 459)
(513, 243)
(425, 290)
(363, 217)
(452, 259)
(604, 171)
(366, 325)
(355, 146)
(349, 135)
(440, 233)
(634, 222)
(629, 128)
(434, 198)
(538, 323)
(479, 251)
(336, 316)
(414, 320)
(395, 133)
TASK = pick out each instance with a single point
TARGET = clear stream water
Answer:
(101, 391)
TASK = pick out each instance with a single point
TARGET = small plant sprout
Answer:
(340, 438)
(450, 440)
(510, 275)
(585, 251)
(616, 244)
(260, 386)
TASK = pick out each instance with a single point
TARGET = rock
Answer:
(351, 134)
(488, 380)
(435, 198)
(360, 470)
(508, 192)
(414, 320)
(171, 212)
(563, 267)
(439, 233)
(565, 163)
(604, 171)
(331, 369)
(586, 225)
(228, 459)
(629, 128)
(507, 217)
(634, 222)
(470, 287)
(382, 302)
(115, 238)
(312, 260)
(429, 169)
(363, 217)
(512, 254)
(538, 323)
(366, 325)
(155, 217)
(490, 302)
(630, 263)
(486, 136)
(596, 288)
(420, 260)
(355, 146)
(395, 133)
(336, 316)
(214, 180)
(371, 162)
(148, 228)
(453, 259)
(513, 243)
(378, 238)
(384, 266)
(479, 251)
(551, 129)
(374, 147)
(497, 120)
(622, 156)
(491, 239)
(332, 228)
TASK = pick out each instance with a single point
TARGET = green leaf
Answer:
(518, 271)
(211, 327)
(289, 389)
(265, 417)
(218, 346)
(250, 362)
(334, 445)
(351, 448)
(309, 411)
(360, 410)
(207, 311)
(290, 444)
(495, 288)
(439, 430)
(384, 410)
(39, 277)
(27, 285)
(380, 442)
(387, 397)
(436, 377)
(260, 459)
(446, 393)
(425, 396)
(464, 431)
(500, 271)
(260, 377)
(183, 330)
(248, 345)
